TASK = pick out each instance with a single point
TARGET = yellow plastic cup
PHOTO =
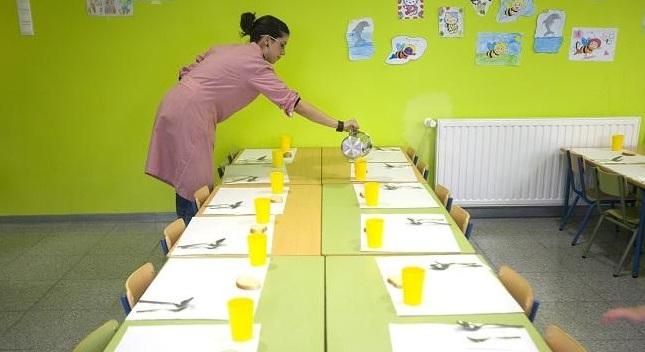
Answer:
(285, 143)
(617, 142)
(277, 158)
(374, 229)
(277, 182)
(412, 277)
(262, 210)
(360, 169)
(257, 248)
(371, 193)
(240, 318)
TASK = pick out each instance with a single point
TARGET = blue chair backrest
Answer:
(534, 309)
(164, 246)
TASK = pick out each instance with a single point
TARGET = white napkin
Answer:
(400, 235)
(407, 195)
(381, 172)
(211, 281)
(206, 229)
(261, 156)
(242, 174)
(453, 338)
(195, 338)
(247, 197)
(454, 291)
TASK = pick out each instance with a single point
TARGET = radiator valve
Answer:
(430, 123)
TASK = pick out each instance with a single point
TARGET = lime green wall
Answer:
(78, 99)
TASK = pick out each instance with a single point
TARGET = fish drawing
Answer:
(357, 32)
(548, 22)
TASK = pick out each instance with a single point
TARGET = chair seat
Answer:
(632, 215)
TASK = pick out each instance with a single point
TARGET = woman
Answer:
(222, 81)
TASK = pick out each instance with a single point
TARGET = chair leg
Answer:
(593, 236)
(566, 217)
(581, 229)
(622, 259)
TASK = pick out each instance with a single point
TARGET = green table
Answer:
(341, 221)
(359, 309)
(291, 308)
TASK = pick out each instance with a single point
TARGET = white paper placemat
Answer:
(456, 290)
(634, 171)
(205, 230)
(605, 156)
(210, 281)
(386, 155)
(223, 203)
(261, 156)
(425, 337)
(412, 233)
(250, 174)
(385, 172)
(398, 195)
(195, 338)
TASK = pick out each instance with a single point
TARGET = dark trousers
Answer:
(186, 209)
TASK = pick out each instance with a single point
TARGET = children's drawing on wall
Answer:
(405, 49)
(548, 31)
(511, 10)
(593, 44)
(500, 49)
(359, 39)
(109, 7)
(481, 6)
(451, 21)
(410, 9)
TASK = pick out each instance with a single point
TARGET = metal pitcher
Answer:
(357, 144)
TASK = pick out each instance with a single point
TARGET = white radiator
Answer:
(504, 162)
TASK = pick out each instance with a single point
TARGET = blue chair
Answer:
(136, 285)
(579, 184)
(171, 234)
(520, 289)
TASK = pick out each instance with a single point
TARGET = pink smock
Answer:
(220, 82)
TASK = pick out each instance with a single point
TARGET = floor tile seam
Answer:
(24, 312)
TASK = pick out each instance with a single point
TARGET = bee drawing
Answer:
(587, 45)
(514, 8)
(403, 51)
(496, 49)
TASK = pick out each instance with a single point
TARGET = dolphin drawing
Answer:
(548, 22)
(357, 32)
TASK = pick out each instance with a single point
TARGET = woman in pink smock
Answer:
(222, 81)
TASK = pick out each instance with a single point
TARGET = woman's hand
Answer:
(351, 125)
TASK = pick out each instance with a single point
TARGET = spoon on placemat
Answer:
(208, 245)
(178, 305)
(482, 339)
(471, 326)
(444, 266)
(224, 206)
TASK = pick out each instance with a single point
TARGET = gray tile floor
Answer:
(58, 281)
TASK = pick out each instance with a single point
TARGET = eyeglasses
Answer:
(282, 44)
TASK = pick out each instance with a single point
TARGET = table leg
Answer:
(636, 258)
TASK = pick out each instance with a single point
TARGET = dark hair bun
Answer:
(246, 23)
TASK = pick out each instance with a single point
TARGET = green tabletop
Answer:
(341, 221)
(359, 309)
(291, 308)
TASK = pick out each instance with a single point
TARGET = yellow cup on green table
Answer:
(277, 182)
(617, 141)
(371, 193)
(257, 242)
(262, 210)
(360, 169)
(285, 143)
(412, 277)
(374, 230)
(277, 158)
(240, 318)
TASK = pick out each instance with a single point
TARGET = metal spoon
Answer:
(414, 221)
(178, 309)
(207, 244)
(245, 178)
(444, 266)
(224, 206)
(471, 326)
(482, 339)
(178, 305)
(390, 187)
(391, 166)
